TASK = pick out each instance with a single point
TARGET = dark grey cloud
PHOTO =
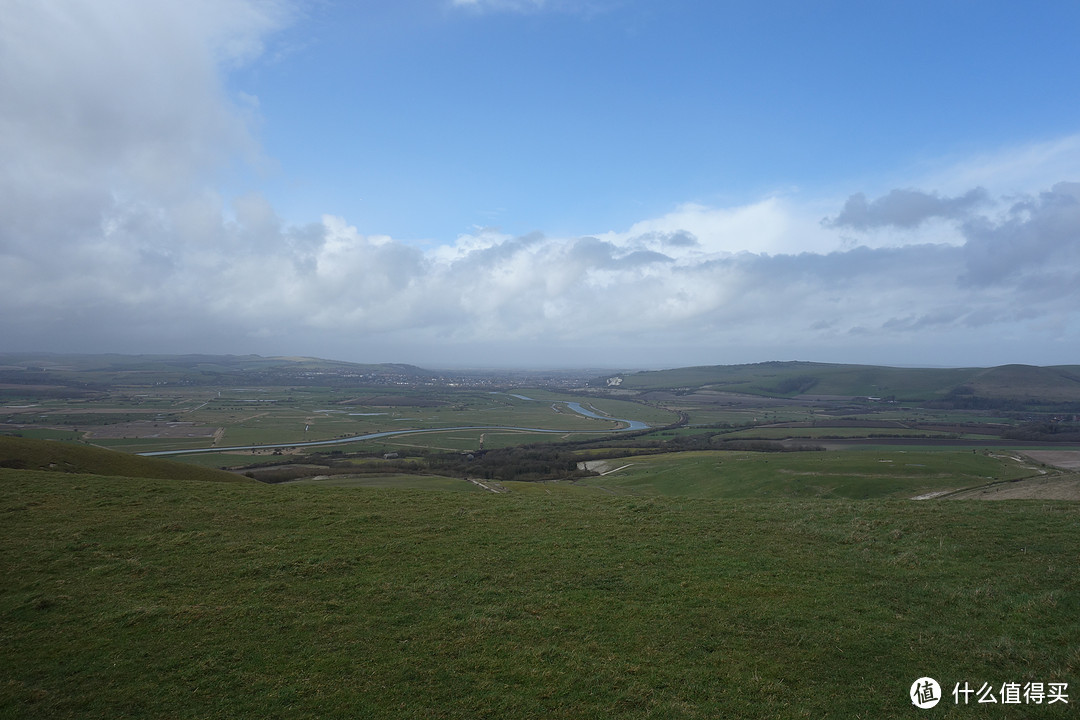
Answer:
(904, 208)
(944, 316)
(1038, 240)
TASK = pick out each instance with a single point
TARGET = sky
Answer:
(543, 183)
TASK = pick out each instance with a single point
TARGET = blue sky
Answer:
(624, 183)
(585, 117)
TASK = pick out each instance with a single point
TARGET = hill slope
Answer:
(789, 379)
(192, 600)
(27, 454)
(79, 374)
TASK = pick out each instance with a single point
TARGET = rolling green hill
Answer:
(789, 379)
(1025, 381)
(28, 454)
(80, 373)
(123, 598)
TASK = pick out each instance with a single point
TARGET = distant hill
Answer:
(31, 454)
(80, 375)
(1022, 383)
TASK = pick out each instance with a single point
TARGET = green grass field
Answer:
(694, 584)
(282, 415)
(178, 599)
(398, 481)
(771, 433)
(852, 474)
(36, 454)
(791, 378)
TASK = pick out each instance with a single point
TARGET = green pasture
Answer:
(229, 460)
(396, 482)
(50, 434)
(827, 379)
(284, 415)
(706, 414)
(769, 433)
(37, 454)
(551, 488)
(129, 598)
(852, 474)
(139, 445)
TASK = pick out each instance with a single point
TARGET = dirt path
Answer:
(601, 466)
(1052, 486)
(1060, 483)
(490, 487)
(1064, 459)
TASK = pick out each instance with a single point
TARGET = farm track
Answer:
(1041, 485)
(490, 487)
(1050, 486)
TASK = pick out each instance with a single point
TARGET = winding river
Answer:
(576, 407)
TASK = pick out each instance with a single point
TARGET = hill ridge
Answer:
(52, 455)
(1059, 383)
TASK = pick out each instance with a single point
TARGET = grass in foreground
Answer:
(397, 481)
(136, 598)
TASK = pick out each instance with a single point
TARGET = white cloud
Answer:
(330, 284)
(1023, 169)
(693, 230)
(124, 94)
(112, 238)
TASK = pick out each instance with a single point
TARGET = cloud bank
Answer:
(905, 208)
(113, 238)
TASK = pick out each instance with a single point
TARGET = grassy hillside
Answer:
(1024, 381)
(786, 379)
(853, 474)
(794, 378)
(204, 600)
(98, 372)
(30, 454)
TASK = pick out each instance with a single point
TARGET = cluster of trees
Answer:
(295, 467)
(964, 401)
(651, 443)
(1045, 431)
(534, 463)
(526, 463)
(964, 398)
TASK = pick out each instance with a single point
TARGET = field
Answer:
(149, 420)
(180, 599)
(856, 474)
(531, 549)
(787, 379)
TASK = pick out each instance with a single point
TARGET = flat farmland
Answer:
(771, 433)
(191, 419)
